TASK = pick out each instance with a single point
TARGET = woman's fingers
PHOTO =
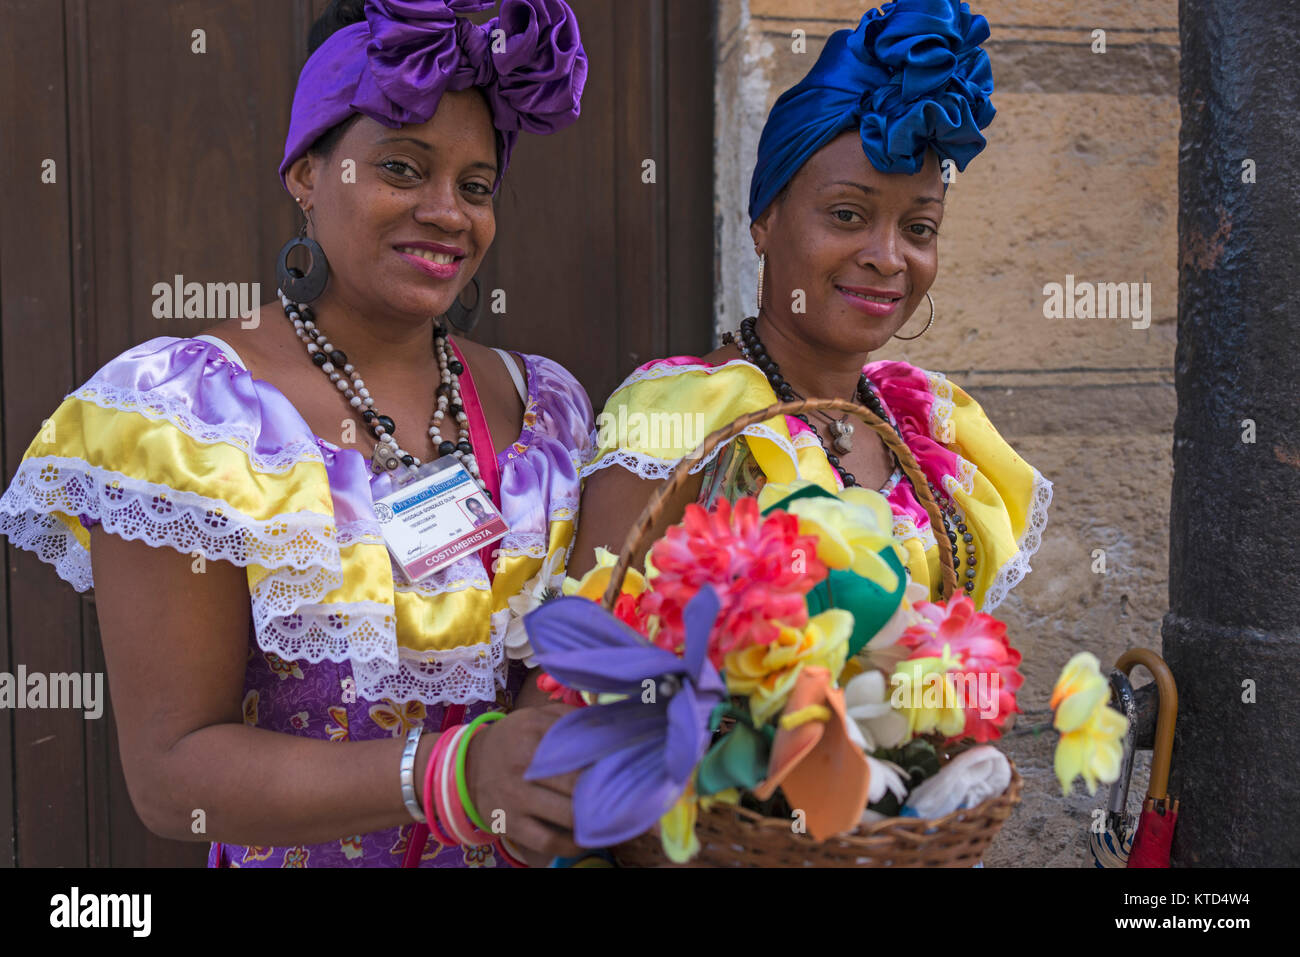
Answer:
(561, 784)
(552, 807)
(544, 839)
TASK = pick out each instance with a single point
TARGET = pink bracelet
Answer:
(449, 810)
(435, 827)
(512, 858)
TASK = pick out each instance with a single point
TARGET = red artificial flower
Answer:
(761, 568)
(558, 692)
(627, 609)
(979, 642)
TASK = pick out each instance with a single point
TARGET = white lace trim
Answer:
(654, 468)
(241, 434)
(302, 552)
(941, 409)
(963, 480)
(136, 509)
(1017, 566)
(905, 528)
(456, 676)
(663, 371)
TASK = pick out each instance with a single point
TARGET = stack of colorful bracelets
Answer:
(449, 814)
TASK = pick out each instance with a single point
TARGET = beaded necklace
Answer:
(388, 455)
(954, 521)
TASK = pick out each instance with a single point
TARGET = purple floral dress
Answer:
(173, 442)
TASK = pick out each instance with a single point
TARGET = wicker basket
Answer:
(738, 837)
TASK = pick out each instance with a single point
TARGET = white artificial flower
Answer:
(545, 584)
(886, 776)
(866, 703)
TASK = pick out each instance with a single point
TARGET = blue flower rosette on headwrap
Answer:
(395, 65)
(911, 77)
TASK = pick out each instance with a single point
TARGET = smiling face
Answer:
(410, 233)
(845, 233)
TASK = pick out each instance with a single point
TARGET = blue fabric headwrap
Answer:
(911, 77)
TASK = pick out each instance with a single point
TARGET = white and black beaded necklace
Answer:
(388, 455)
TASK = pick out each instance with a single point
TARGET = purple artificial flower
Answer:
(639, 753)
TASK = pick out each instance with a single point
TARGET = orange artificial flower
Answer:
(823, 773)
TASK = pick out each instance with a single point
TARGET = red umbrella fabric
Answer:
(1155, 835)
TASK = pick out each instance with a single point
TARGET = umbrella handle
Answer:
(1167, 691)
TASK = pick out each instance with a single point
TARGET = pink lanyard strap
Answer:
(480, 438)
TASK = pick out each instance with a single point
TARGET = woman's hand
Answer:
(538, 815)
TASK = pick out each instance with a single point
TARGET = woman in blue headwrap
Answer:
(845, 206)
(282, 685)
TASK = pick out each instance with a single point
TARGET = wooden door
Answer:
(164, 162)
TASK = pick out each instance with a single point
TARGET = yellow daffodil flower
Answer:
(766, 673)
(1092, 732)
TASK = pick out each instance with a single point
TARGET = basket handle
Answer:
(651, 513)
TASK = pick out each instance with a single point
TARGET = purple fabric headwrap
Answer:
(395, 65)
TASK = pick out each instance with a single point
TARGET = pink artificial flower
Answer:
(987, 680)
(761, 568)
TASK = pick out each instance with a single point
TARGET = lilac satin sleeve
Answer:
(539, 472)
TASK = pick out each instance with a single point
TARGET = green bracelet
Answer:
(462, 790)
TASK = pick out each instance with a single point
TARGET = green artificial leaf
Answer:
(739, 760)
(808, 491)
(871, 605)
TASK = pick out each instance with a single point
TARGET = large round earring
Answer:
(294, 283)
(762, 268)
(463, 317)
(927, 325)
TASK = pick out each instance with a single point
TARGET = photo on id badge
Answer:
(476, 510)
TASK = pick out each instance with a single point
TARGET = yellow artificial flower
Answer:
(766, 673)
(851, 528)
(593, 584)
(677, 826)
(924, 693)
(1092, 732)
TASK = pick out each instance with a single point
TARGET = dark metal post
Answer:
(1232, 635)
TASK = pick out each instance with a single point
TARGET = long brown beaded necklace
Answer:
(388, 455)
(751, 348)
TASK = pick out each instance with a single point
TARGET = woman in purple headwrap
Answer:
(285, 671)
(845, 207)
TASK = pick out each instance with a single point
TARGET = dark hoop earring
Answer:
(294, 283)
(927, 325)
(463, 317)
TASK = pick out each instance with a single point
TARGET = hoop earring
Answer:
(927, 325)
(294, 283)
(463, 317)
(762, 268)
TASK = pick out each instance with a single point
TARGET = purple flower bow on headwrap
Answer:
(911, 77)
(639, 753)
(395, 65)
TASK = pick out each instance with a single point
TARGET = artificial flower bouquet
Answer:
(774, 658)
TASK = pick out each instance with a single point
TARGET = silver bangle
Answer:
(408, 778)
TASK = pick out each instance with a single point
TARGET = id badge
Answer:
(438, 515)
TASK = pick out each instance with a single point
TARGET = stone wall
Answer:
(1079, 178)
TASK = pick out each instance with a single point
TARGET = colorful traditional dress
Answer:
(665, 408)
(175, 443)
